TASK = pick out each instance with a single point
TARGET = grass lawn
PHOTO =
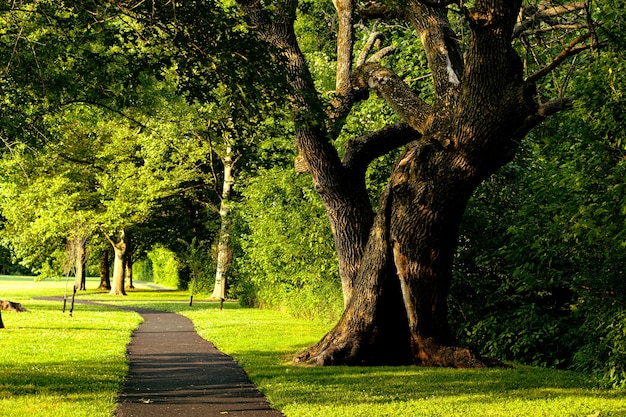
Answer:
(57, 358)
(55, 365)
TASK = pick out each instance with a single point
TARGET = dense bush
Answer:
(287, 258)
(539, 274)
(165, 266)
(142, 270)
(197, 267)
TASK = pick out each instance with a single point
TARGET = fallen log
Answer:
(7, 305)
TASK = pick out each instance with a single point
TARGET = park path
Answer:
(174, 372)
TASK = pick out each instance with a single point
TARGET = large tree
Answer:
(395, 262)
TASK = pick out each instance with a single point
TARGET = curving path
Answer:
(174, 372)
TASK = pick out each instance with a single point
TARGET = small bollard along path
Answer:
(174, 372)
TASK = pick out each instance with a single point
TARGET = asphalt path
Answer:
(174, 372)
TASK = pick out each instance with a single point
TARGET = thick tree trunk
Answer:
(396, 267)
(224, 247)
(405, 275)
(105, 281)
(398, 313)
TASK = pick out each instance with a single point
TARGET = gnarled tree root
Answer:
(431, 353)
(426, 353)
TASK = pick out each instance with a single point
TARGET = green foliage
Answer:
(53, 53)
(103, 168)
(288, 262)
(142, 270)
(165, 266)
(316, 28)
(196, 258)
(8, 265)
(602, 92)
(546, 287)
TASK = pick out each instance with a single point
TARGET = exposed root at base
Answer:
(327, 353)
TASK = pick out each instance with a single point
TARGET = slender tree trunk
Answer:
(80, 261)
(224, 247)
(119, 262)
(105, 281)
(128, 269)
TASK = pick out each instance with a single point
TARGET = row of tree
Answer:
(114, 112)
(112, 127)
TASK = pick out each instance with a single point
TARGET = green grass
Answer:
(264, 342)
(52, 364)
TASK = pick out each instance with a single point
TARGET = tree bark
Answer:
(396, 267)
(128, 267)
(80, 261)
(224, 247)
(105, 281)
(119, 262)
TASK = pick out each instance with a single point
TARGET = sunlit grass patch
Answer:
(67, 367)
(52, 364)
(264, 342)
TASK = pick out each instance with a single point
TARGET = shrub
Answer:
(546, 287)
(165, 266)
(287, 260)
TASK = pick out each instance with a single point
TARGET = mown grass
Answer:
(52, 364)
(264, 342)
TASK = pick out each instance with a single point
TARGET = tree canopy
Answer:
(421, 124)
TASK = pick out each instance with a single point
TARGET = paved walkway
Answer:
(174, 372)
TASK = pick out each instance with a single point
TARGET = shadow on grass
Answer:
(325, 386)
(70, 378)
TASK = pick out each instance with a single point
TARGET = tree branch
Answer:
(546, 14)
(374, 38)
(360, 152)
(442, 49)
(373, 10)
(106, 235)
(396, 93)
(382, 53)
(570, 50)
(346, 93)
(342, 99)
(105, 107)
(345, 45)
(89, 162)
(552, 28)
(543, 112)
